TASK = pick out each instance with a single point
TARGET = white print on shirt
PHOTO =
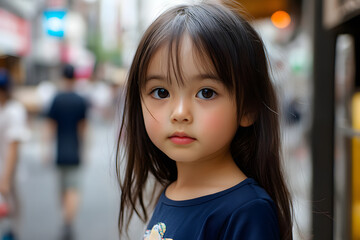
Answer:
(156, 233)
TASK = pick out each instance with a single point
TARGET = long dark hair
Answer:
(224, 38)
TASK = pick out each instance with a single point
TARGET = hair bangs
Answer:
(166, 33)
(209, 37)
(211, 50)
(220, 45)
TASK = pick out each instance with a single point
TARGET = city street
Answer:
(306, 51)
(38, 188)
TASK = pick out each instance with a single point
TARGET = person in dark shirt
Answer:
(67, 120)
(201, 118)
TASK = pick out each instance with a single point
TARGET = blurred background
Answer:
(313, 48)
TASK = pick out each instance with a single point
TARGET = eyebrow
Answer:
(196, 77)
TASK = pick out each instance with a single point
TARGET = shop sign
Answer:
(54, 22)
(14, 34)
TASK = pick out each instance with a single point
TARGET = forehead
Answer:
(182, 60)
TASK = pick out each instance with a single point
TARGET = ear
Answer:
(247, 120)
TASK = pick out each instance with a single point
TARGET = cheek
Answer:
(214, 122)
(220, 118)
(219, 123)
(153, 123)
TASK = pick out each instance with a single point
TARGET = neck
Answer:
(204, 177)
(69, 85)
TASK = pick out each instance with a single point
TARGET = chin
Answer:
(181, 159)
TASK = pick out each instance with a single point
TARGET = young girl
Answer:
(201, 117)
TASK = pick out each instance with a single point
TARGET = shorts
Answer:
(69, 177)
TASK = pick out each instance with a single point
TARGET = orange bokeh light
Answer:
(281, 19)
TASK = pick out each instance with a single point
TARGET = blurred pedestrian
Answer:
(67, 119)
(13, 130)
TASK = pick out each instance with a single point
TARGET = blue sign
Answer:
(54, 22)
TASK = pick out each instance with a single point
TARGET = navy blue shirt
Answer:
(67, 110)
(244, 211)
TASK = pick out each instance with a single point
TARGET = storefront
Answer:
(335, 136)
(15, 44)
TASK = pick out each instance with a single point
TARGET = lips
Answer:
(180, 138)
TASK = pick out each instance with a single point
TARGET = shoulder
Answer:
(256, 210)
(244, 194)
(252, 214)
(58, 96)
(68, 98)
(79, 98)
(14, 118)
(15, 109)
(249, 201)
(256, 219)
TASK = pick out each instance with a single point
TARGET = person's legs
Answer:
(11, 221)
(70, 205)
(70, 198)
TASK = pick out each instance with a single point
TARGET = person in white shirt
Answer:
(13, 130)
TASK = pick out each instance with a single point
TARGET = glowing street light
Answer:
(281, 19)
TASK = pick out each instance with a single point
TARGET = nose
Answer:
(181, 112)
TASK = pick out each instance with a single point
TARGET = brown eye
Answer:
(160, 93)
(206, 93)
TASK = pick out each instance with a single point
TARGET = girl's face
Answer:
(189, 122)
